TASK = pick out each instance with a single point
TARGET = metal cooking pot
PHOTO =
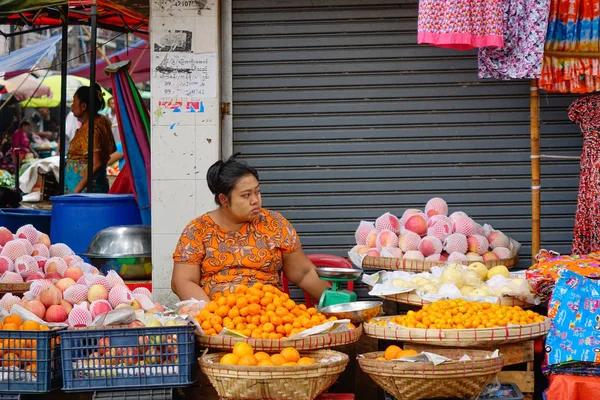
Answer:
(126, 250)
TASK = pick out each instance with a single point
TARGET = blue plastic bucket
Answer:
(77, 218)
(14, 218)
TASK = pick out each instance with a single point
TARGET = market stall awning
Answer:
(111, 16)
(138, 54)
(25, 59)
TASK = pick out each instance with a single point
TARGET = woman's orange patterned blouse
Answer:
(227, 259)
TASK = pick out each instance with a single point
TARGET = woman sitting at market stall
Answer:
(104, 145)
(239, 242)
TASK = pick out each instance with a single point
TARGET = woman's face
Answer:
(78, 107)
(244, 202)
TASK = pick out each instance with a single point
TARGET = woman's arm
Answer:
(95, 168)
(185, 282)
(301, 271)
(114, 157)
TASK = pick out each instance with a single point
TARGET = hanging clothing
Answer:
(525, 25)
(586, 235)
(574, 26)
(461, 24)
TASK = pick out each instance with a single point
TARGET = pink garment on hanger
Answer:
(461, 24)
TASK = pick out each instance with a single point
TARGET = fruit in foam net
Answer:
(457, 257)
(490, 256)
(474, 256)
(97, 292)
(373, 253)
(56, 313)
(477, 244)
(51, 296)
(409, 241)
(498, 239)
(386, 239)
(371, 240)
(436, 206)
(388, 222)
(413, 255)
(64, 284)
(74, 273)
(466, 315)
(363, 230)
(430, 245)
(456, 243)
(417, 224)
(502, 252)
(36, 307)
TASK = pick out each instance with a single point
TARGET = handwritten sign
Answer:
(185, 74)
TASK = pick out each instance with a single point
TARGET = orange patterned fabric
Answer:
(227, 259)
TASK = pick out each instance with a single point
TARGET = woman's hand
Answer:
(185, 282)
(301, 271)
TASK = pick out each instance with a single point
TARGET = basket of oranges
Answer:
(460, 323)
(267, 319)
(288, 374)
(415, 300)
(30, 355)
(458, 378)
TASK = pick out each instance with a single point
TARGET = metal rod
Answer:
(63, 99)
(18, 33)
(92, 103)
(534, 126)
(561, 157)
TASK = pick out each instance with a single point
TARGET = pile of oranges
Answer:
(260, 311)
(243, 354)
(393, 352)
(461, 314)
(19, 353)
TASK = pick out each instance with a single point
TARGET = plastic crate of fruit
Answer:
(30, 361)
(109, 358)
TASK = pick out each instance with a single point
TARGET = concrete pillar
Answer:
(185, 123)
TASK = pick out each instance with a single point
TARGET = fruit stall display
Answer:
(267, 318)
(288, 374)
(420, 239)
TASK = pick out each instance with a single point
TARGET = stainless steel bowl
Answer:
(356, 312)
(124, 249)
(340, 273)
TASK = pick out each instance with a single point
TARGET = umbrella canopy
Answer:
(26, 58)
(8, 7)
(134, 128)
(25, 86)
(53, 82)
(139, 54)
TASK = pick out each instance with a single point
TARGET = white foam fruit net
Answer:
(363, 230)
(434, 219)
(120, 295)
(458, 214)
(456, 243)
(386, 239)
(6, 264)
(8, 301)
(482, 243)
(28, 246)
(465, 226)
(60, 250)
(61, 265)
(38, 286)
(80, 316)
(14, 249)
(11, 277)
(29, 233)
(388, 222)
(114, 278)
(100, 280)
(40, 250)
(74, 260)
(409, 241)
(391, 252)
(498, 239)
(145, 301)
(144, 291)
(441, 230)
(413, 255)
(433, 257)
(96, 309)
(502, 252)
(436, 206)
(76, 293)
(409, 213)
(430, 245)
(26, 265)
(457, 257)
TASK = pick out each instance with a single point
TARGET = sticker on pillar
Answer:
(176, 41)
(192, 75)
(181, 107)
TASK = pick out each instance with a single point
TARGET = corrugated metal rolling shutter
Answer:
(346, 117)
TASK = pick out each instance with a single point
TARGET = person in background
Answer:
(72, 124)
(111, 113)
(20, 140)
(76, 172)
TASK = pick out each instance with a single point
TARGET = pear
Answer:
(480, 268)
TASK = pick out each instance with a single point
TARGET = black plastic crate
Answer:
(30, 361)
(106, 359)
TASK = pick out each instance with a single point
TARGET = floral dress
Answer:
(525, 25)
(586, 235)
(77, 157)
(227, 259)
(461, 24)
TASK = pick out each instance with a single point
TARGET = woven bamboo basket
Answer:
(400, 264)
(314, 342)
(475, 337)
(275, 383)
(419, 380)
(14, 288)
(416, 300)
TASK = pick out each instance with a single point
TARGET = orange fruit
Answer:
(392, 352)
(306, 361)
(240, 289)
(266, 363)
(229, 359)
(254, 309)
(289, 364)
(222, 310)
(290, 354)
(31, 326)
(409, 353)
(242, 349)
(278, 359)
(10, 327)
(13, 319)
(11, 360)
(261, 355)
(44, 328)
(248, 360)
